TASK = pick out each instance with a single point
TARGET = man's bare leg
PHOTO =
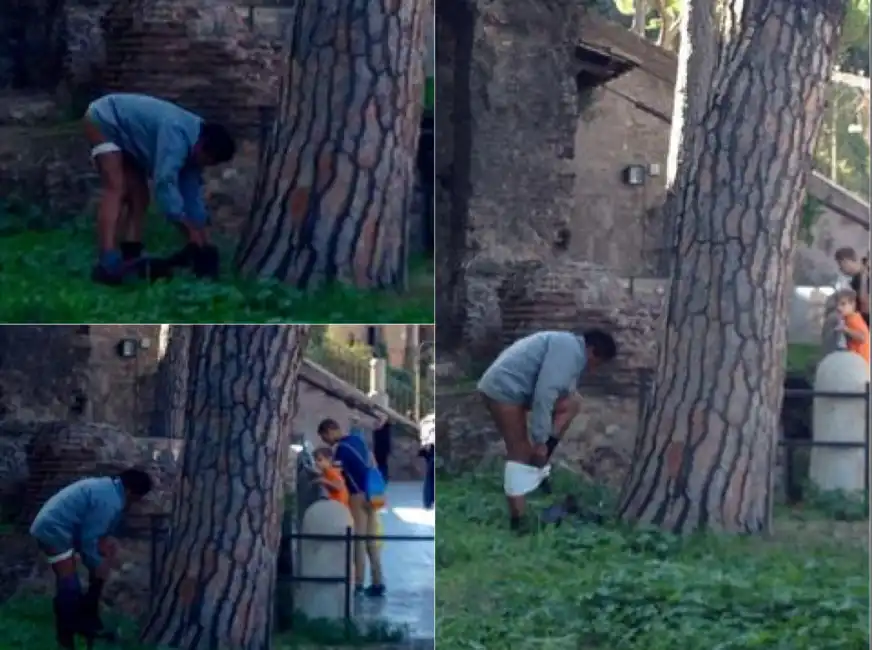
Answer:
(511, 422)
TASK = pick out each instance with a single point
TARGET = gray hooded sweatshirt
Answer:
(79, 515)
(535, 372)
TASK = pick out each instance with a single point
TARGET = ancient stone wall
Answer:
(44, 372)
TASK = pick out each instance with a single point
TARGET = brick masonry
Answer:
(530, 167)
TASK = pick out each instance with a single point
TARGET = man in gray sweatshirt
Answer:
(135, 138)
(538, 375)
(77, 520)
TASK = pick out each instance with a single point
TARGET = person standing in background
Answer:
(381, 445)
(857, 270)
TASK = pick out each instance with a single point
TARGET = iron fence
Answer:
(286, 571)
(289, 575)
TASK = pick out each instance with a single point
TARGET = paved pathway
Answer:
(409, 566)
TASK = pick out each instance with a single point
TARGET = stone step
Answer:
(28, 109)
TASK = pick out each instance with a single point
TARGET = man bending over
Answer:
(78, 520)
(538, 375)
(135, 138)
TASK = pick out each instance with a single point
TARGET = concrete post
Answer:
(378, 381)
(324, 559)
(839, 419)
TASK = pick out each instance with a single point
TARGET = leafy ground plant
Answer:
(27, 624)
(609, 587)
(46, 279)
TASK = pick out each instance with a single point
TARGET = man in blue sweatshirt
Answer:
(135, 138)
(77, 520)
(538, 375)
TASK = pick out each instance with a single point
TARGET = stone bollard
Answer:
(324, 559)
(839, 419)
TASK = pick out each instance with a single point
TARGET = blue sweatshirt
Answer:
(535, 372)
(160, 136)
(79, 515)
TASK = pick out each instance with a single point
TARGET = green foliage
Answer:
(846, 110)
(811, 210)
(609, 587)
(46, 279)
(28, 623)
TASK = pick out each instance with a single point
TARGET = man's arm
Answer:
(171, 156)
(191, 188)
(558, 376)
(99, 522)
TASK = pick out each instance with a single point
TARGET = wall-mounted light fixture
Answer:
(127, 348)
(634, 175)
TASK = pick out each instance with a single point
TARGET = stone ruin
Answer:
(561, 295)
(40, 458)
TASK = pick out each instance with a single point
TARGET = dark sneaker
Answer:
(154, 268)
(112, 277)
(131, 250)
(374, 591)
(207, 262)
(359, 590)
(183, 258)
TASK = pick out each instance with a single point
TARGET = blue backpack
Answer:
(375, 487)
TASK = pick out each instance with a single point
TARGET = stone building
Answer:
(554, 129)
(399, 342)
(106, 374)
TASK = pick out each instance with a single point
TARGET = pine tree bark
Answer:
(168, 415)
(704, 456)
(217, 575)
(335, 186)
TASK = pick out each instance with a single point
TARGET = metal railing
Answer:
(351, 364)
(791, 444)
(349, 538)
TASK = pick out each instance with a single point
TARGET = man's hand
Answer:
(540, 456)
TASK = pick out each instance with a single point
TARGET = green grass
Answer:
(46, 279)
(27, 623)
(587, 587)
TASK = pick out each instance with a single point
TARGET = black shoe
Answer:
(111, 277)
(131, 250)
(374, 591)
(207, 262)
(359, 590)
(184, 258)
(66, 616)
(154, 268)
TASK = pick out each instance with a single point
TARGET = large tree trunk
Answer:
(334, 191)
(217, 576)
(171, 389)
(705, 453)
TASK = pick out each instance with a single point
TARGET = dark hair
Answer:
(323, 452)
(327, 425)
(136, 481)
(846, 254)
(846, 294)
(601, 343)
(216, 142)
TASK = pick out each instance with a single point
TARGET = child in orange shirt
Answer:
(330, 476)
(852, 326)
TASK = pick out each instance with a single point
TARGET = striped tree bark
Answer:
(171, 390)
(335, 184)
(217, 575)
(704, 456)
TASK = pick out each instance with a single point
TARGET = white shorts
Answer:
(520, 479)
(60, 557)
(105, 147)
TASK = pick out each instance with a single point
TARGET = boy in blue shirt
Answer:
(354, 457)
(135, 138)
(538, 375)
(78, 520)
